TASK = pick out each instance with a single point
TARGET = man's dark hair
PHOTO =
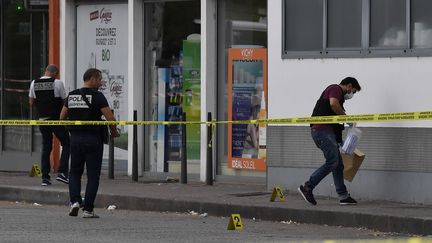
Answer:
(352, 81)
(91, 73)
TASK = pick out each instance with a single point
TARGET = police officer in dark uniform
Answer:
(86, 104)
(47, 94)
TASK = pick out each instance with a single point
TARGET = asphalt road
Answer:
(26, 222)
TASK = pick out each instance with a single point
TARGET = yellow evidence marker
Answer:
(35, 170)
(235, 222)
(277, 192)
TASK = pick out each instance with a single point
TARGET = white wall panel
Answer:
(399, 84)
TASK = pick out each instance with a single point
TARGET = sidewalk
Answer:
(223, 199)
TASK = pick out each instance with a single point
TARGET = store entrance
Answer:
(24, 56)
(172, 83)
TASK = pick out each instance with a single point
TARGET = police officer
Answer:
(86, 104)
(47, 94)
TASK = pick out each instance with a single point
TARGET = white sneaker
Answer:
(74, 209)
(89, 215)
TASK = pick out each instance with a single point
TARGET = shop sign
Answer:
(247, 100)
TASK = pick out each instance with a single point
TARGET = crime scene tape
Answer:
(383, 117)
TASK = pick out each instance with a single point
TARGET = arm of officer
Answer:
(109, 116)
(336, 107)
(31, 101)
(64, 113)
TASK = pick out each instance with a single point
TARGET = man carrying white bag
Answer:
(351, 156)
(327, 138)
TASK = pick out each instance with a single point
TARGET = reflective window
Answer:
(303, 25)
(421, 23)
(388, 23)
(241, 23)
(16, 59)
(344, 23)
(24, 57)
(173, 82)
(356, 28)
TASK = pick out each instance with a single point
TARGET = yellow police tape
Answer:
(383, 117)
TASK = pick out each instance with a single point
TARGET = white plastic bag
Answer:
(352, 140)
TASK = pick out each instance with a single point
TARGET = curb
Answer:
(384, 223)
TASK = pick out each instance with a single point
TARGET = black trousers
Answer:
(86, 149)
(47, 136)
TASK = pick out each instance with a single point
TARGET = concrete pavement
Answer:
(224, 199)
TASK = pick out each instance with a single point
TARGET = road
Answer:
(27, 222)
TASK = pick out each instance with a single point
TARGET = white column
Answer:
(135, 77)
(68, 44)
(208, 74)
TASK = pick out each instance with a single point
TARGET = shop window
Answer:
(173, 82)
(344, 24)
(16, 59)
(303, 25)
(421, 23)
(241, 24)
(24, 56)
(357, 28)
(388, 24)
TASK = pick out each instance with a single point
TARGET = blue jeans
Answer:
(47, 136)
(326, 141)
(86, 149)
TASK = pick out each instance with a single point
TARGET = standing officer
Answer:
(86, 104)
(47, 94)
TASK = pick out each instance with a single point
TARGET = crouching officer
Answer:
(86, 104)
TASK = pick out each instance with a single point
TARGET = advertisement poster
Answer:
(247, 100)
(192, 94)
(102, 32)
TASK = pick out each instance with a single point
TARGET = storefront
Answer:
(23, 55)
(233, 59)
(170, 70)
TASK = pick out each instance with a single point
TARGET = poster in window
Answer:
(247, 99)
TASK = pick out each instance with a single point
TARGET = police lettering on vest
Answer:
(46, 103)
(80, 111)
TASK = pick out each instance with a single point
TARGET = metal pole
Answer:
(183, 178)
(135, 150)
(111, 156)
(209, 172)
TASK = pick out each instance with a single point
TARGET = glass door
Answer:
(24, 57)
(172, 82)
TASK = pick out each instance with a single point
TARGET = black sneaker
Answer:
(46, 182)
(307, 194)
(347, 201)
(62, 178)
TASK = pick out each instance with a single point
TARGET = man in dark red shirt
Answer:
(327, 137)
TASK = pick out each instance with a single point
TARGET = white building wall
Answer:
(136, 78)
(68, 44)
(399, 84)
(389, 85)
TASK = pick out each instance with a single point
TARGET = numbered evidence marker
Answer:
(35, 170)
(235, 222)
(277, 192)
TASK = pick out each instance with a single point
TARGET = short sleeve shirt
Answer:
(97, 99)
(332, 91)
(59, 90)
